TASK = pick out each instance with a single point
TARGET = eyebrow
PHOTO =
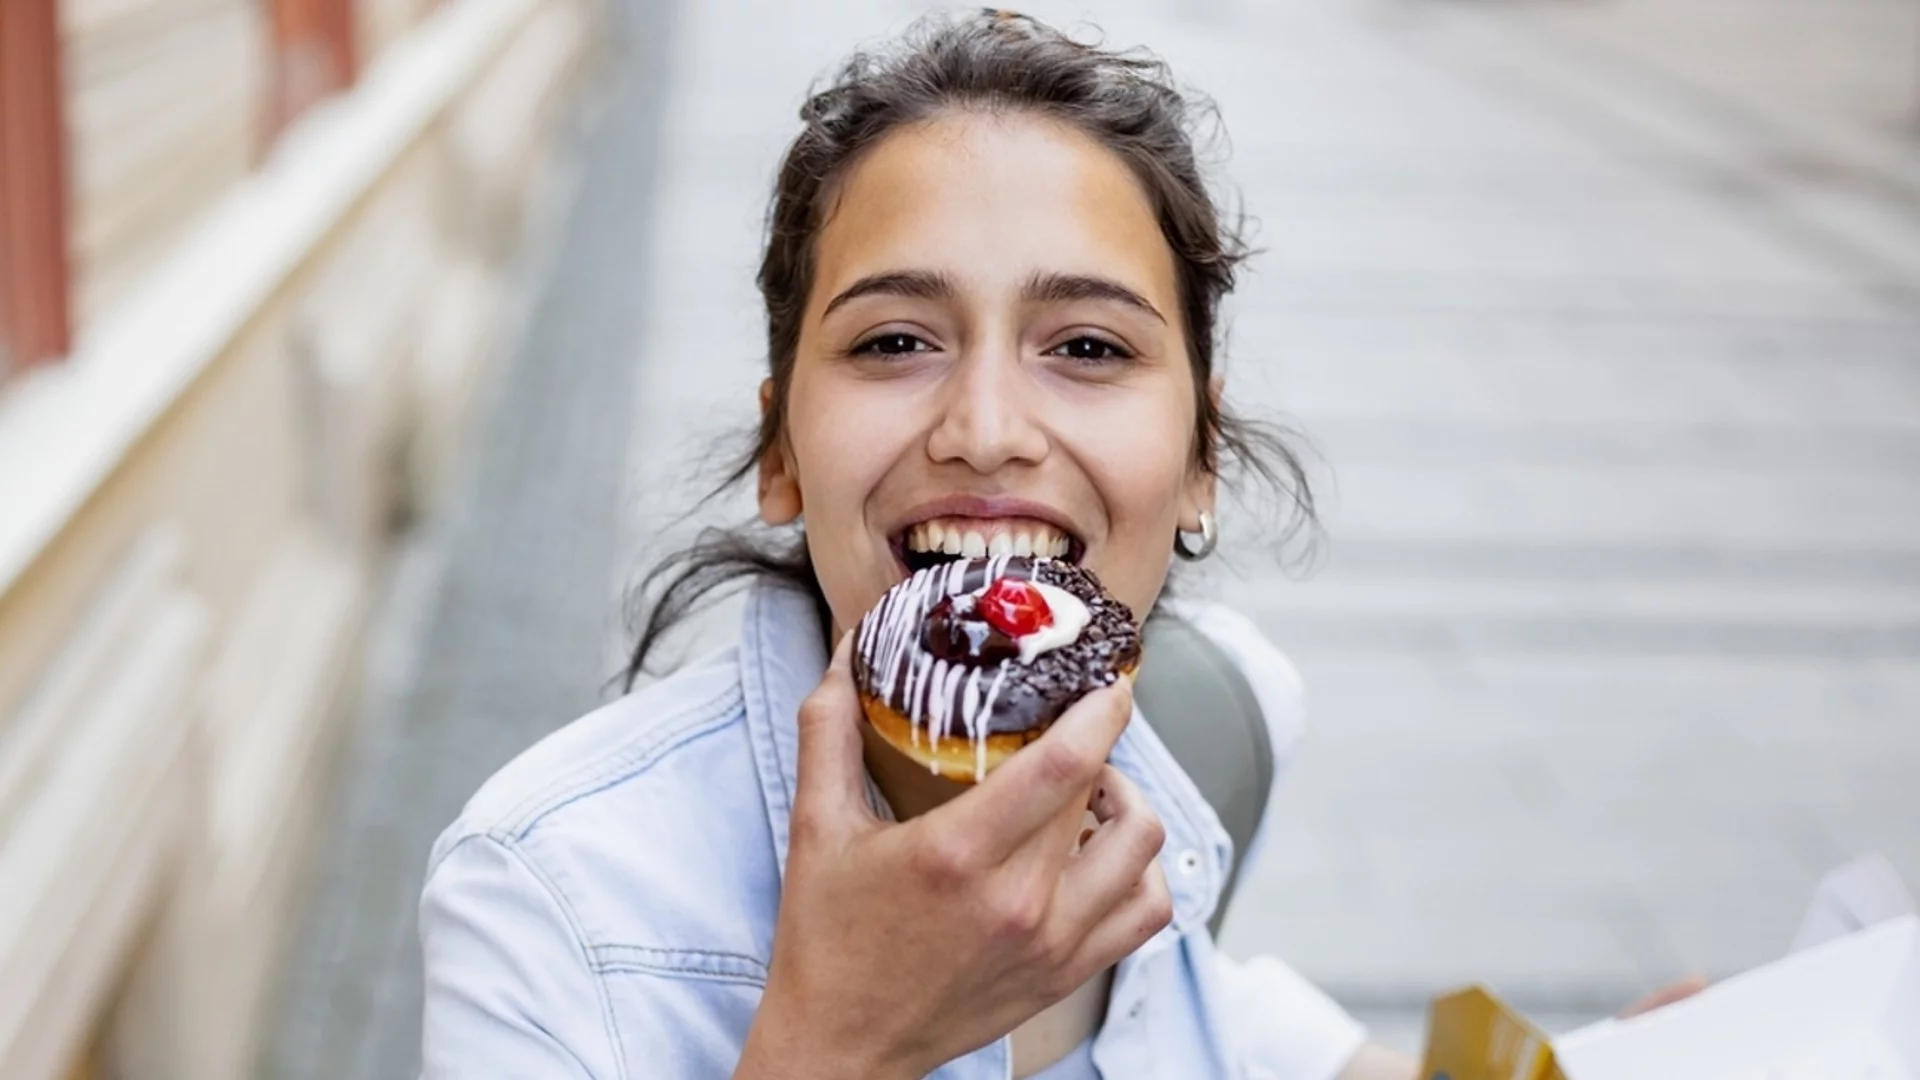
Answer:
(1056, 288)
(918, 284)
(1040, 288)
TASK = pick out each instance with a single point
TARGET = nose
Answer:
(988, 414)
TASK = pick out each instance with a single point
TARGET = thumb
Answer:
(833, 779)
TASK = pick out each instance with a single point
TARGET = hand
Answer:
(1679, 991)
(901, 947)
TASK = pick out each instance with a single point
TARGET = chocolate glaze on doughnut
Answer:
(953, 679)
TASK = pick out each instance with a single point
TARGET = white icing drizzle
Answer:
(931, 689)
(970, 709)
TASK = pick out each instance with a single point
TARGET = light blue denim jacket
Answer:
(604, 907)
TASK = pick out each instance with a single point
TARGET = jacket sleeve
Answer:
(509, 992)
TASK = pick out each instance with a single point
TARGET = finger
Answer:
(832, 782)
(1049, 777)
(1679, 991)
(1148, 908)
(1115, 858)
(1114, 793)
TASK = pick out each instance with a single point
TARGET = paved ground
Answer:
(1613, 649)
(1614, 371)
(1851, 66)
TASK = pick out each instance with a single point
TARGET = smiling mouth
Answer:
(942, 540)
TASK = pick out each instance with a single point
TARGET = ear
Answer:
(779, 483)
(1202, 487)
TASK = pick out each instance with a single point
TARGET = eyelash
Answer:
(872, 347)
(1114, 351)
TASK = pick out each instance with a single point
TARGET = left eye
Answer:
(1091, 349)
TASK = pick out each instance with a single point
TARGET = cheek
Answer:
(841, 446)
(844, 441)
(1138, 456)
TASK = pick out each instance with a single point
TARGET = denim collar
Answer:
(782, 656)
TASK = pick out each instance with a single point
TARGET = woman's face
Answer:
(991, 360)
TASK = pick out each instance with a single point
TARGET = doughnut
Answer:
(965, 662)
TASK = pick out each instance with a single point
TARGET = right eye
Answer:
(891, 345)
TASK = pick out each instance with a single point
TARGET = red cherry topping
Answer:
(1015, 608)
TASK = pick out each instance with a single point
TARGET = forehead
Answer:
(991, 198)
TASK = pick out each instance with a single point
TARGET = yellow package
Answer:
(1472, 1035)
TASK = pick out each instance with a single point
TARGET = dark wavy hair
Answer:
(990, 61)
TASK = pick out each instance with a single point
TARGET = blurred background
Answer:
(357, 355)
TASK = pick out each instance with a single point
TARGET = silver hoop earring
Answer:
(1209, 537)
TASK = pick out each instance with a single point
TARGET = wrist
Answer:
(784, 1045)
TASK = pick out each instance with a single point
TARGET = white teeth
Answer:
(996, 539)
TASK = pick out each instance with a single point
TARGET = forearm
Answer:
(1379, 1063)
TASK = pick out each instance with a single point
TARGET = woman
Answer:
(991, 282)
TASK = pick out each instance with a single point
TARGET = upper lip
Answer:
(986, 507)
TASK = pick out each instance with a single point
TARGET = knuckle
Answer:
(1045, 953)
(1019, 915)
(1144, 837)
(822, 704)
(948, 856)
(818, 707)
(1160, 908)
(1153, 834)
(806, 828)
(1057, 952)
(1159, 905)
(1059, 764)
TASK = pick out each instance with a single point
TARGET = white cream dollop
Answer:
(1070, 616)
